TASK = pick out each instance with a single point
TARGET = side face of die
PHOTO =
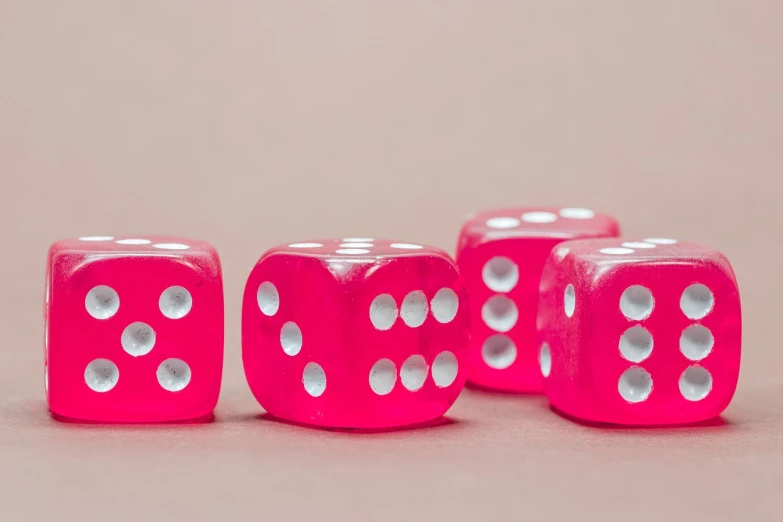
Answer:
(501, 255)
(133, 329)
(639, 332)
(355, 334)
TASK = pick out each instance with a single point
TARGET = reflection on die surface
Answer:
(639, 332)
(355, 333)
(133, 329)
(501, 254)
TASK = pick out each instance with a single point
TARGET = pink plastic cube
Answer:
(355, 333)
(133, 329)
(639, 332)
(501, 254)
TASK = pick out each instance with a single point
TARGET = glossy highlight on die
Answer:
(501, 254)
(639, 331)
(355, 333)
(133, 329)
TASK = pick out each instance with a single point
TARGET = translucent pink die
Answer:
(639, 332)
(501, 254)
(133, 329)
(355, 333)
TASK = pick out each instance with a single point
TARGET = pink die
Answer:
(501, 254)
(355, 333)
(133, 329)
(639, 332)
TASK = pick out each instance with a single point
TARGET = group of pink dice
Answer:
(364, 333)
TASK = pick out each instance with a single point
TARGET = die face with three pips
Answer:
(501, 254)
(355, 333)
(639, 332)
(133, 329)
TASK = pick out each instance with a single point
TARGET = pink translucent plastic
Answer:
(327, 293)
(139, 274)
(505, 233)
(586, 359)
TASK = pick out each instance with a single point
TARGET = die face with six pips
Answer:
(639, 332)
(355, 333)
(133, 329)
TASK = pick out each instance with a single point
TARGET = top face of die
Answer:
(76, 253)
(606, 252)
(352, 258)
(360, 248)
(133, 245)
(532, 222)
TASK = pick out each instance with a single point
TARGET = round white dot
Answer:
(695, 383)
(638, 244)
(696, 342)
(268, 299)
(413, 373)
(383, 312)
(352, 251)
(406, 246)
(545, 360)
(291, 338)
(314, 379)
(96, 238)
(697, 301)
(101, 375)
(499, 352)
(500, 313)
(175, 302)
(660, 241)
(358, 240)
(503, 222)
(445, 305)
(444, 369)
(383, 377)
(577, 213)
(305, 245)
(414, 309)
(138, 339)
(616, 251)
(637, 303)
(635, 385)
(171, 246)
(500, 274)
(356, 245)
(174, 375)
(636, 344)
(569, 300)
(539, 217)
(102, 302)
(133, 242)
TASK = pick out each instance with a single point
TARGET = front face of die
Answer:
(659, 331)
(381, 330)
(501, 255)
(134, 329)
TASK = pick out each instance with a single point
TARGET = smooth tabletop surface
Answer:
(249, 124)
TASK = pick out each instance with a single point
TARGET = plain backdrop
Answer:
(250, 123)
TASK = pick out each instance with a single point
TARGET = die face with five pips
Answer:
(639, 332)
(133, 329)
(501, 254)
(355, 333)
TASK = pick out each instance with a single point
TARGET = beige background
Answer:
(252, 123)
